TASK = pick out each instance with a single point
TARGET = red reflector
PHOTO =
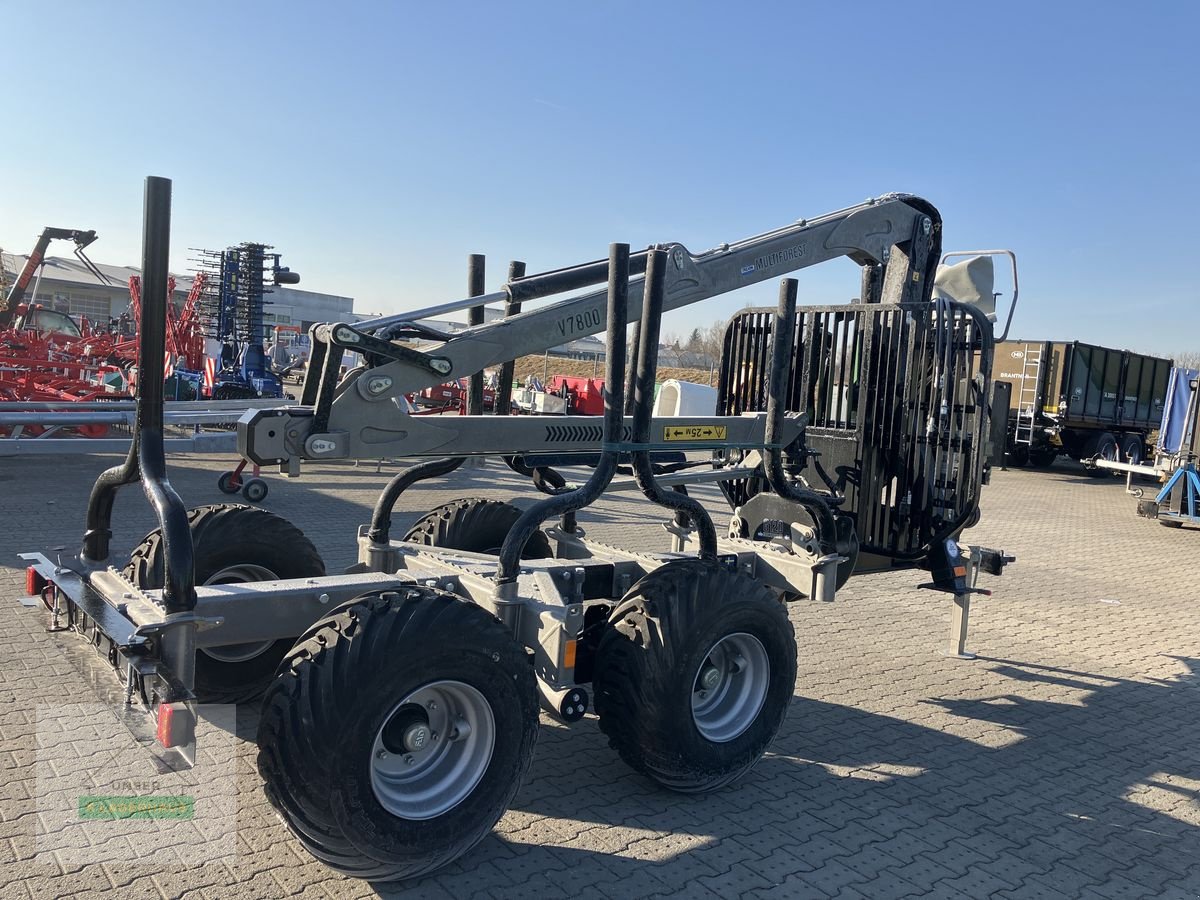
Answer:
(33, 582)
(175, 725)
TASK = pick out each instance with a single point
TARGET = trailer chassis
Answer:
(556, 610)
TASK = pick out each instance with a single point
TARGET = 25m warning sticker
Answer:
(694, 432)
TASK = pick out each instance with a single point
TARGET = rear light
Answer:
(34, 583)
(176, 726)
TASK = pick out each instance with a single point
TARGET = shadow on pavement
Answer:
(1086, 786)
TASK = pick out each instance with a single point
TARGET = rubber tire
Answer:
(1133, 449)
(477, 526)
(1102, 446)
(226, 481)
(1017, 457)
(227, 535)
(255, 490)
(1042, 458)
(334, 691)
(1170, 523)
(659, 635)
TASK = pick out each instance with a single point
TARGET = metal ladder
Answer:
(1027, 395)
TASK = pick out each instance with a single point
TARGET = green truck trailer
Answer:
(1080, 400)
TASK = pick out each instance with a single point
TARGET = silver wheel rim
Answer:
(437, 749)
(730, 687)
(235, 653)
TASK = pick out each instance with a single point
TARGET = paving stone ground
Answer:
(1063, 762)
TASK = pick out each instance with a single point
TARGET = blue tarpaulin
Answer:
(1173, 431)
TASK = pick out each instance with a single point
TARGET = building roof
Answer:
(70, 270)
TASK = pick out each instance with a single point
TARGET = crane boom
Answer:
(895, 238)
(81, 239)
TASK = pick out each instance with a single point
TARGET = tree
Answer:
(1187, 359)
(714, 339)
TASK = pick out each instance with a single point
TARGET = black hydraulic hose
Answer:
(548, 480)
(643, 407)
(509, 562)
(545, 479)
(782, 341)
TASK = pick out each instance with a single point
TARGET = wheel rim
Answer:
(234, 653)
(432, 750)
(730, 687)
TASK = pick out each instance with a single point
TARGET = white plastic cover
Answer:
(970, 281)
(685, 398)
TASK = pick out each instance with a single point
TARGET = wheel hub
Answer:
(730, 687)
(432, 750)
(416, 736)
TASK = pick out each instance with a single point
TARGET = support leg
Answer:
(960, 618)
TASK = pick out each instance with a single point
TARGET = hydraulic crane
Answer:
(9, 306)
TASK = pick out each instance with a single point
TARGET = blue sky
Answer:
(376, 145)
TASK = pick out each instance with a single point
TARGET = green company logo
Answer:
(149, 807)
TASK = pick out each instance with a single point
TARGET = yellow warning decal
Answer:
(694, 432)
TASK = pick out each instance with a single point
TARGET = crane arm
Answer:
(81, 239)
(898, 236)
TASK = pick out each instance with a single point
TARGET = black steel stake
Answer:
(509, 563)
(147, 458)
(380, 529)
(475, 282)
(503, 407)
(643, 407)
(783, 331)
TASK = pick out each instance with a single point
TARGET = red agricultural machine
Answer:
(48, 356)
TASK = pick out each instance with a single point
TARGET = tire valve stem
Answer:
(460, 730)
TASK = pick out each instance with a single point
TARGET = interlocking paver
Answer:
(1060, 763)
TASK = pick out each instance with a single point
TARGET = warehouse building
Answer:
(67, 286)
